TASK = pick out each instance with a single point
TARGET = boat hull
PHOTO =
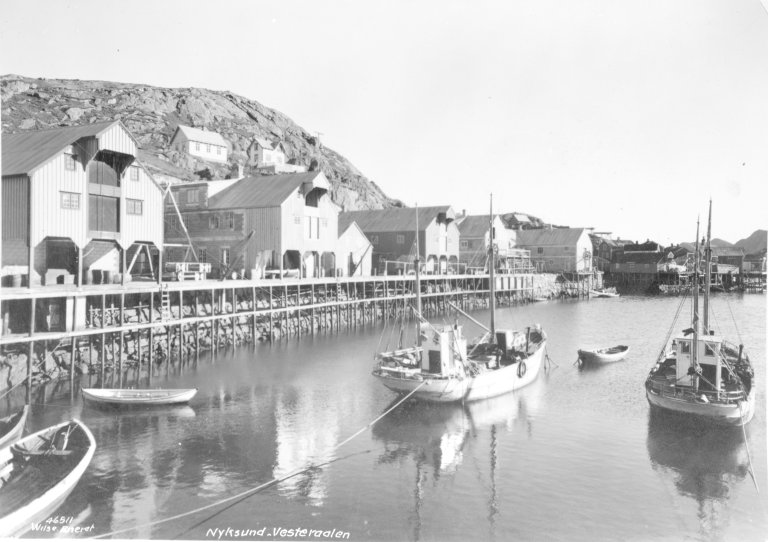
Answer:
(21, 520)
(483, 386)
(731, 414)
(595, 356)
(139, 397)
(14, 433)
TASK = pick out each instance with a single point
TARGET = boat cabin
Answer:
(708, 357)
(445, 348)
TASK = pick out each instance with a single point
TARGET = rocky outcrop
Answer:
(152, 114)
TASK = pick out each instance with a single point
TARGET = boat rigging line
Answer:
(252, 491)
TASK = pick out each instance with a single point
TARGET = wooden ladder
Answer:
(165, 301)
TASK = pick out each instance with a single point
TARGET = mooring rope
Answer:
(254, 490)
(746, 446)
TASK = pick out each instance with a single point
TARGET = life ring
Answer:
(521, 369)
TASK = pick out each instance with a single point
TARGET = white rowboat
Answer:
(131, 397)
(604, 355)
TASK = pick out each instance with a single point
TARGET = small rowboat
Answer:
(604, 355)
(145, 397)
(11, 427)
(39, 472)
(603, 293)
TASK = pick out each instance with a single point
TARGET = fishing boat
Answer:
(138, 397)
(700, 374)
(39, 472)
(12, 427)
(604, 355)
(441, 367)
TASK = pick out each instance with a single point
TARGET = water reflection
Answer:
(435, 436)
(307, 433)
(702, 462)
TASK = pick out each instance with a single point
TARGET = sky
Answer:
(625, 116)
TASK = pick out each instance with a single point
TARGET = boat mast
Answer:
(491, 276)
(708, 267)
(695, 344)
(418, 282)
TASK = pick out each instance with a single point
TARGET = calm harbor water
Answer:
(575, 456)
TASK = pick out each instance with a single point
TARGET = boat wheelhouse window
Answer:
(685, 347)
(709, 350)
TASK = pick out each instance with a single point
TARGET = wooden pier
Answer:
(138, 330)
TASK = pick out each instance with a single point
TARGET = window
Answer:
(230, 220)
(197, 146)
(540, 250)
(465, 244)
(324, 222)
(375, 240)
(709, 350)
(202, 255)
(566, 249)
(70, 162)
(134, 173)
(208, 149)
(134, 206)
(193, 196)
(213, 222)
(224, 255)
(685, 347)
(173, 223)
(103, 213)
(297, 220)
(218, 149)
(70, 200)
(400, 239)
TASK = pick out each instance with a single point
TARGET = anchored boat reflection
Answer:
(702, 462)
(435, 436)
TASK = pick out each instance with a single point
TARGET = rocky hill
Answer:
(152, 114)
(755, 243)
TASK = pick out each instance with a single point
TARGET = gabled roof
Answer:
(25, 152)
(264, 143)
(547, 237)
(265, 190)
(351, 226)
(396, 219)
(474, 226)
(203, 136)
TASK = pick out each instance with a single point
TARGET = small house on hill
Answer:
(474, 238)
(200, 143)
(267, 225)
(77, 207)
(269, 157)
(557, 250)
(392, 233)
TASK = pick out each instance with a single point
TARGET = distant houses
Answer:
(265, 226)
(475, 234)
(270, 157)
(200, 143)
(78, 207)
(392, 232)
(557, 250)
